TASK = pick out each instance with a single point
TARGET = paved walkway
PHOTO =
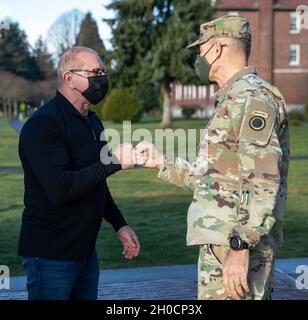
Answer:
(167, 283)
(16, 124)
(11, 170)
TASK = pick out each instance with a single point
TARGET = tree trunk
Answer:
(166, 118)
(15, 110)
(5, 113)
(10, 109)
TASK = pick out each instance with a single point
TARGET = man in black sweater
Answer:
(66, 192)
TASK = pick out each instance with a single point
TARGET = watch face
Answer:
(234, 243)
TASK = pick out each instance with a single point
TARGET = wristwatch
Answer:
(236, 243)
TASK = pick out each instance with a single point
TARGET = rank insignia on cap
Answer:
(257, 123)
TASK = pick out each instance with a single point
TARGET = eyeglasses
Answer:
(97, 71)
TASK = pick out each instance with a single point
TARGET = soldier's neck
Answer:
(227, 73)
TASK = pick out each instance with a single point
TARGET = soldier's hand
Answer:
(235, 272)
(148, 155)
(126, 155)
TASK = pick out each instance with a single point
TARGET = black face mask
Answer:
(203, 67)
(98, 88)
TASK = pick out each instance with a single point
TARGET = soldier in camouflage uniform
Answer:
(239, 178)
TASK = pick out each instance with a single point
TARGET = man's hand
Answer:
(130, 242)
(126, 155)
(148, 155)
(235, 271)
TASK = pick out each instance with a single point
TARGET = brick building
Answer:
(279, 51)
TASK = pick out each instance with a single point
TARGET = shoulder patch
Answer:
(258, 122)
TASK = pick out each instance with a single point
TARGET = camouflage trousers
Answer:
(210, 282)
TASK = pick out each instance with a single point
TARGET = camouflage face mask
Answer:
(202, 67)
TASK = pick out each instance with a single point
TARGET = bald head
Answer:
(74, 58)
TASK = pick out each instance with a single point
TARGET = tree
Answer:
(15, 54)
(44, 61)
(42, 91)
(122, 104)
(89, 37)
(21, 68)
(149, 39)
(130, 41)
(12, 89)
(62, 35)
(306, 110)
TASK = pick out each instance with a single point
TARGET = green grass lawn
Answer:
(155, 209)
(296, 218)
(299, 141)
(8, 145)
(9, 137)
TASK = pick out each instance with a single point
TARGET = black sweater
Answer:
(66, 194)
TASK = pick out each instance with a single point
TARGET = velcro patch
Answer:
(258, 122)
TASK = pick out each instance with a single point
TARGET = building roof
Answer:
(293, 3)
(255, 4)
(238, 3)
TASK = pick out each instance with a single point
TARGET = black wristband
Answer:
(236, 243)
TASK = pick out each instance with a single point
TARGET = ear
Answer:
(68, 79)
(218, 49)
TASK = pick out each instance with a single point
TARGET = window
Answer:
(178, 92)
(212, 90)
(233, 13)
(194, 92)
(202, 92)
(294, 55)
(294, 22)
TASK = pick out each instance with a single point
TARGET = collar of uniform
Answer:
(227, 86)
(60, 98)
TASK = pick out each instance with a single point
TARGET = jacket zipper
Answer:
(92, 132)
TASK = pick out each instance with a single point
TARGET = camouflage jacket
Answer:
(240, 176)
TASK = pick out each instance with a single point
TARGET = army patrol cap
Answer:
(226, 26)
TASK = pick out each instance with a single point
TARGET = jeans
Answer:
(62, 279)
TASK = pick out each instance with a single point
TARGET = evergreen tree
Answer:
(44, 60)
(15, 54)
(149, 40)
(131, 39)
(89, 37)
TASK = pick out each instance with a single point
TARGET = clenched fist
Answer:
(148, 155)
(125, 153)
